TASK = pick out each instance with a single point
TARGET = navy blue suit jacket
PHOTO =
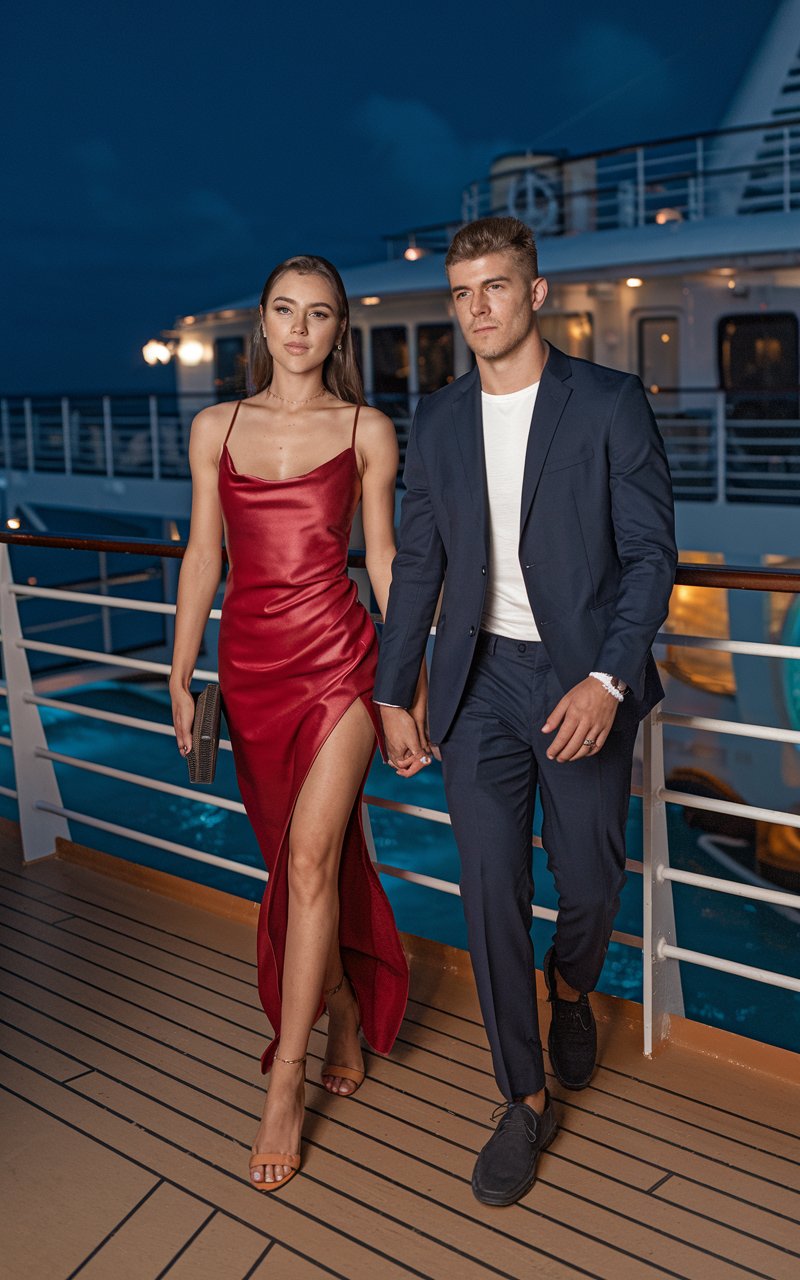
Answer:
(597, 544)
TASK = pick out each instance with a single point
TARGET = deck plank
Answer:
(223, 1248)
(133, 1030)
(148, 1241)
(79, 1211)
(275, 1216)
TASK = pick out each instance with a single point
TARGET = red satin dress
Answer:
(296, 649)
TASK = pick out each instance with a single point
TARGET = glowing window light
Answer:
(155, 352)
(13, 522)
(633, 282)
(371, 301)
(668, 215)
(191, 352)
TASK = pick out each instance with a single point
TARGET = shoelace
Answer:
(511, 1110)
(573, 1010)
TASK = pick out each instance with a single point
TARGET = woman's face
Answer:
(300, 321)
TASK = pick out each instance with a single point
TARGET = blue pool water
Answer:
(750, 932)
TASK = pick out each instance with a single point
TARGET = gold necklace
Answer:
(296, 403)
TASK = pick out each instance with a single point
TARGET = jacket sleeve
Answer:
(644, 531)
(417, 576)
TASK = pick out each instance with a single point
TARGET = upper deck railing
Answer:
(44, 817)
(749, 170)
(716, 454)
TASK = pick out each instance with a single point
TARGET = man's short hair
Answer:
(493, 235)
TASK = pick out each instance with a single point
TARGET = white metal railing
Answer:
(752, 170)
(43, 816)
(714, 455)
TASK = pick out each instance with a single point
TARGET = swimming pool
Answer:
(751, 932)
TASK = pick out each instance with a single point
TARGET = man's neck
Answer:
(519, 369)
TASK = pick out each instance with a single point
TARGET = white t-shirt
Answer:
(506, 426)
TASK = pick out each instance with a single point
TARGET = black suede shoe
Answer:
(506, 1167)
(572, 1039)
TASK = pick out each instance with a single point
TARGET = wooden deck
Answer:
(130, 1092)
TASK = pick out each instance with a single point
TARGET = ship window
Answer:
(230, 368)
(435, 356)
(658, 353)
(390, 368)
(570, 331)
(758, 364)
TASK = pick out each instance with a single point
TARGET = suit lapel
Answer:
(551, 400)
(468, 423)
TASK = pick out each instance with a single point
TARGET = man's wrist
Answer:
(613, 685)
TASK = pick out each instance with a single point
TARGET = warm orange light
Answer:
(633, 282)
(371, 301)
(668, 215)
(413, 253)
(191, 352)
(13, 522)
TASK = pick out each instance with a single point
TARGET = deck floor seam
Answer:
(115, 1229)
(394, 1088)
(439, 1168)
(186, 1245)
(566, 1102)
(194, 1155)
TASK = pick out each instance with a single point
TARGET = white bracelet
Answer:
(607, 682)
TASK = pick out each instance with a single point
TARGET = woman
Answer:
(281, 473)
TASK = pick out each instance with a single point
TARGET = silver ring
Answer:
(589, 742)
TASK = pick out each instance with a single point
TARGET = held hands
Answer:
(182, 717)
(585, 715)
(407, 746)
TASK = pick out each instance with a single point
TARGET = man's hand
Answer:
(407, 748)
(585, 714)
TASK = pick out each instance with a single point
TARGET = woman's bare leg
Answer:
(320, 819)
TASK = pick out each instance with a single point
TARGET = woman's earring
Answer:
(338, 346)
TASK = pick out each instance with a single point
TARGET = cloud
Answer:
(415, 152)
(106, 216)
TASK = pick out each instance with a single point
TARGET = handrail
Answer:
(39, 798)
(731, 577)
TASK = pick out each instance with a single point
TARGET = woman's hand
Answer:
(182, 718)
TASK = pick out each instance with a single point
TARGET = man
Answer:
(538, 493)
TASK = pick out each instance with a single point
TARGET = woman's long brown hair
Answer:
(340, 372)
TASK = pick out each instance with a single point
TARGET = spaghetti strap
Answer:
(355, 424)
(233, 419)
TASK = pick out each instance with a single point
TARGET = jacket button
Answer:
(483, 568)
(528, 566)
(472, 631)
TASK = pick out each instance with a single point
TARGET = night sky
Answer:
(163, 157)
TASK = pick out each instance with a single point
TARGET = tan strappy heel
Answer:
(331, 1068)
(260, 1159)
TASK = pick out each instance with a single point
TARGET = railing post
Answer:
(662, 993)
(29, 450)
(640, 210)
(108, 436)
(35, 778)
(6, 423)
(67, 434)
(787, 172)
(700, 191)
(721, 455)
(155, 448)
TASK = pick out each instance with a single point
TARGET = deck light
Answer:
(13, 522)
(155, 352)
(731, 283)
(664, 216)
(371, 301)
(190, 352)
(633, 282)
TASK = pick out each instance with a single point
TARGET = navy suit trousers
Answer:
(493, 758)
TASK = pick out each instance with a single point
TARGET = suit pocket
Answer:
(561, 461)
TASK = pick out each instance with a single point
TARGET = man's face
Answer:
(495, 303)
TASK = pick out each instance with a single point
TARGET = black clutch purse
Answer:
(202, 759)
